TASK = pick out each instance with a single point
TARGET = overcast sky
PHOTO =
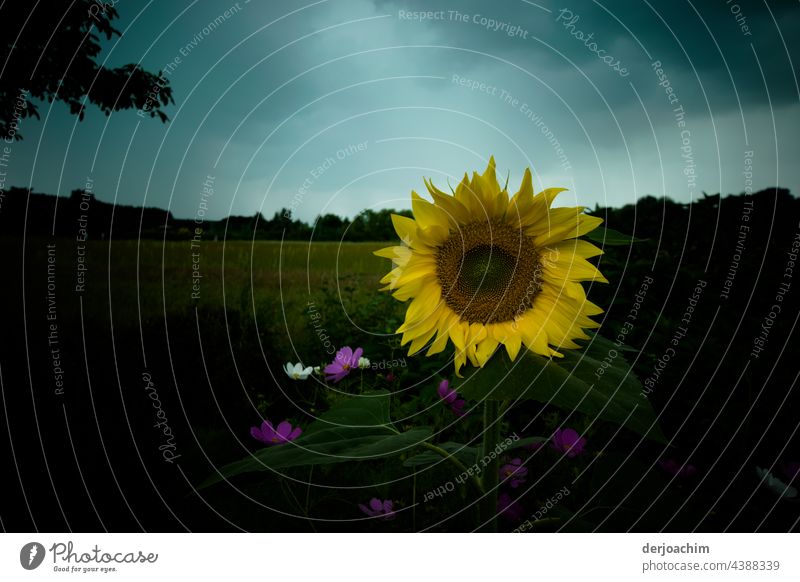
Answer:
(341, 105)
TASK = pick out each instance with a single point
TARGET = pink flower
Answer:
(271, 436)
(673, 467)
(378, 508)
(346, 359)
(451, 398)
(568, 441)
(515, 472)
(509, 508)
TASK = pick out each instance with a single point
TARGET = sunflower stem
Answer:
(452, 459)
(491, 436)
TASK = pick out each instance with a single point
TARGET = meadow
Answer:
(147, 378)
(273, 284)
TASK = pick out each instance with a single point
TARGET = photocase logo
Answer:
(31, 555)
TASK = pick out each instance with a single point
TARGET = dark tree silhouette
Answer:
(49, 53)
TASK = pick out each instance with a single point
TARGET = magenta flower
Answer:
(568, 441)
(451, 398)
(346, 359)
(509, 508)
(515, 472)
(378, 508)
(458, 407)
(673, 467)
(272, 436)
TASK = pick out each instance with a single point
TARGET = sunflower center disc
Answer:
(489, 272)
(487, 268)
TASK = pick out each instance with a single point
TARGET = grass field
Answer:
(238, 310)
(269, 282)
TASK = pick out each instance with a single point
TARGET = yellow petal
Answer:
(471, 201)
(485, 349)
(447, 321)
(456, 212)
(547, 195)
(415, 329)
(550, 219)
(513, 344)
(572, 268)
(521, 203)
(415, 271)
(432, 237)
(490, 176)
(425, 303)
(400, 255)
(494, 199)
(440, 343)
(484, 194)
(524, 195)
(534, 211)
(533, 335)
(457, 334)
(459, 359)
(407, 291)
(388, 252)
(405, 227)
(501, 204)
(476, 334)
(392, 276)
(575, 227)
(427, 214)
(572, 292)
(579, 247)
(507, 334)
(420, 342)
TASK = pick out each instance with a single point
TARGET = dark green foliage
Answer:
(130, 222)
(50, 53)
(595, 381)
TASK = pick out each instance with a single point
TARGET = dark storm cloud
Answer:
(274, 91)
(712, 38)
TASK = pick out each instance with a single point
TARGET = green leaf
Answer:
(326, 447)
(356, 429)
(596, 381)
(364, 410)
(465, 454)
(610, 237)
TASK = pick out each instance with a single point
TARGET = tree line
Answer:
(39, 214)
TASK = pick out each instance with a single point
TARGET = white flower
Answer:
(318, 370)
(297, 372)
(363, 363)
(776, 485)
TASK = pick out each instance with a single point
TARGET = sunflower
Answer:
(483, 269)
